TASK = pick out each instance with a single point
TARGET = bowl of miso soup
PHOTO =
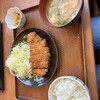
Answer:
(59, 13)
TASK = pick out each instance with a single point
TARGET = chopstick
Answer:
(1, 60)
(26, 98)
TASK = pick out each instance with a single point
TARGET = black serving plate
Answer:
(35, 82)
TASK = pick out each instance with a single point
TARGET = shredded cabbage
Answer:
(18, 61)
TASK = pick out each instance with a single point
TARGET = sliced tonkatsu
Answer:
(38, 44)
(41, 64)
(41, 50)
(40, 72)
(40, 57)
(39, 54)
(33, 38)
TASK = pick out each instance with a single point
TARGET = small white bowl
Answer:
(50, 91)
(10, 18)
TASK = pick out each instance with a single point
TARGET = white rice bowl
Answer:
(68, 88)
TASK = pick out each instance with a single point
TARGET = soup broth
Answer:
(60, 12)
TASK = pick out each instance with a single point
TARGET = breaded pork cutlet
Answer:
(40, 57)
(33, 38)
(39, 54)
(39, 44)
(40, 72)
(41, 50)
(41, 64)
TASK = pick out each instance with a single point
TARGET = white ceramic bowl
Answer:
(50, 92)
(10, 18)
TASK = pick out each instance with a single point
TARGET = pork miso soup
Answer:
(60, 12)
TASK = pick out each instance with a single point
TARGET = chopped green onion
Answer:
(58, 12)
(62, 22)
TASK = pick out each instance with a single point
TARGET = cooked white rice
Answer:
(68, 89)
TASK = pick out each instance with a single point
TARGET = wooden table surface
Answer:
(8, 37)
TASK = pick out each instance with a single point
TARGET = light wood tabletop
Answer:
(8, 38)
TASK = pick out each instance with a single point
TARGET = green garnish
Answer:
(58, 12)
(61, 0)
(62, 22)
(52, 5)
(72, 12)
(47, 12)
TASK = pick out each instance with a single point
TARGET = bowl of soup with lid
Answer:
(59, 13)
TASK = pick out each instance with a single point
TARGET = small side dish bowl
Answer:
(10, 18)
(80, 83)
(43, 15)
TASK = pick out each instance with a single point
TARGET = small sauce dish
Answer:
(12, 16)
